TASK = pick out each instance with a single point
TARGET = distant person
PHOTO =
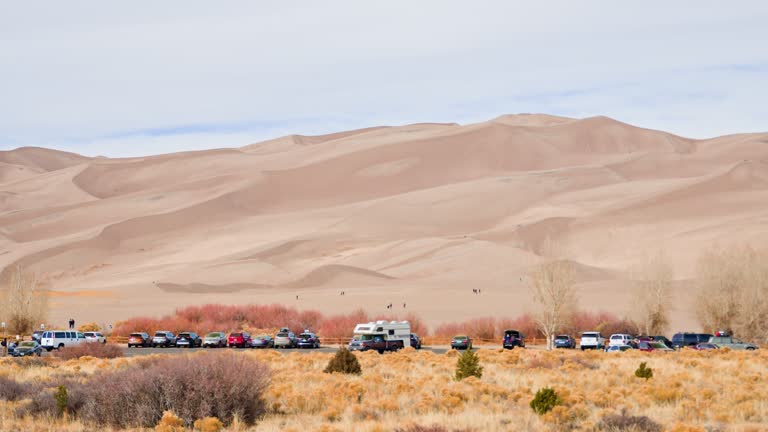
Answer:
(403, 305)
(297, 297)
(71, 323)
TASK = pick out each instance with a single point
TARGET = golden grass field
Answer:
(690, 391)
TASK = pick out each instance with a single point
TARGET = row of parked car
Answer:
(622, 342)
(285, 338)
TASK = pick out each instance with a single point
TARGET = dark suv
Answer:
(564, 341)
(681, 340)
(415, 341)
(513, 338)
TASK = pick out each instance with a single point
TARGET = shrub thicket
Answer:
(644, 372)
(545, 400)
(10, 389)
(344, 362)
(468, 365)
(627, 423)
(97, 350)
(433, 428)
(221, 385)
(217, 317)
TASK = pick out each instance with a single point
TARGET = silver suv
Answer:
(285, 339)
(732, 343)
(215, 340)
(164, 339)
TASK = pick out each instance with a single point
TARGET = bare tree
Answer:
(733, 293)
(653, 286)
(553, 291)
(26, 302)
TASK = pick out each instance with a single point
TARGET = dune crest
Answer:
(419, 214)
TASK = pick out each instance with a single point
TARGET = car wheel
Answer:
(750, 349)
(61, 345)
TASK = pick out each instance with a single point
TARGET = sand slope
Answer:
(418, 215)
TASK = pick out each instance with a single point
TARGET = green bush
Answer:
(468, 365)
(644, 372)
(545, 400)
(344, 362)
(62, 399)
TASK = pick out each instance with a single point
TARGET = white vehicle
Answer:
(592, 340)
(384, 336)
(620, 339)
(59, 339)
(95, 337)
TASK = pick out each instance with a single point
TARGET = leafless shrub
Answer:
(734, 292)
(10, 389)
(43, 402)
(653, 284)
(97, 350)
(210, 385)
(433, 428)
(627, 423)
(24, 304)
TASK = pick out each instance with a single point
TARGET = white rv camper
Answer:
(383, 335)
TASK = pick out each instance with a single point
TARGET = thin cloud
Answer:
(145, 78)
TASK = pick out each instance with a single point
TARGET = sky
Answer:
(147, 77)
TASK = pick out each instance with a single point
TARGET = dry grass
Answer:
(690, 391)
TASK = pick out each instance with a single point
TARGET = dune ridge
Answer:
(416, 216)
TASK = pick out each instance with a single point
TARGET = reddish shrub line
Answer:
(217, 317)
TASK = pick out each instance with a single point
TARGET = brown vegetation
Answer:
(217, 317)
(23, 303)
(734, 292)
(553, 292)
(690, 390)
(92, 349)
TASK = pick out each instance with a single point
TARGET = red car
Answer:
(239, 339)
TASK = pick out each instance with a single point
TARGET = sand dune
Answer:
(418, 214)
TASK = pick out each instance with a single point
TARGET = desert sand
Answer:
(419, 214)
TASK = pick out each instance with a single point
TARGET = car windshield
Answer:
(658, 345)
(305, 335)
(561, 337)
(160, 334)
(283, 334)
(236, 335)
(262, 337)
(460, 338)
(26, 345)
(213, 335)
(136, 335)
(589, 335)
(184, 335)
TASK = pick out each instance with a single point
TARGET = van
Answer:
(59, 339)
(682, 340)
